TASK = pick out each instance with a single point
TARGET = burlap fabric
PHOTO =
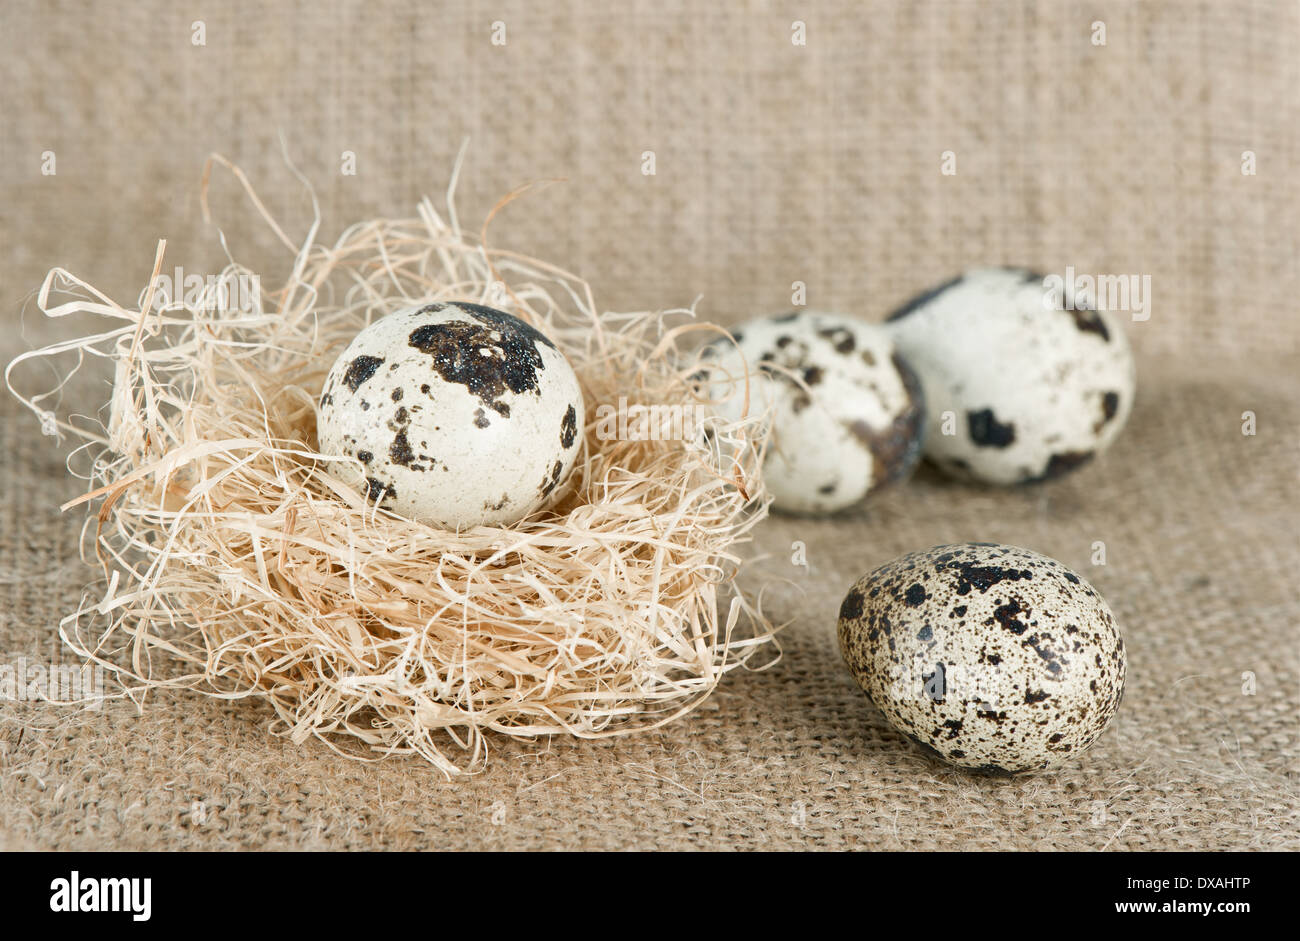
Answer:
(774, 163)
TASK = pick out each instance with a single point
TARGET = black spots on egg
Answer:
(361, 369)
(969, 575)
(365, 457)
(399, 452)
(959, 611)
(987, 432)
(569, 428)
(840, 338)
(1109, 409)
(851, 607)
(813, 375)
(1044, 652)
(552, 478)
(1060, 464)
(1088, 320)
(499, 504)
(925, 633)
(480, 418)
(783, 341)
(508, 324)
(486, 360)
(1033, 696)
(915, 595)
(378, 491)
(397, 394)
(1006, 617)
(826, 489)
(424, 387)
(787, 318)
(921, 300)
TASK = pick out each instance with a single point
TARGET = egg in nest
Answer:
(461, 415)
(991, 657)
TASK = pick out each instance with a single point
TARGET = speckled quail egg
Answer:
(991, 657)
(846, 412)
(460, 414)
(1031, 385)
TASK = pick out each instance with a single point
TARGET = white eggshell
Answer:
(993, 657)
(846, 411)
(461, 415)
(1033, 390)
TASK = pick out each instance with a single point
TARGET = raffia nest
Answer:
(240, 564)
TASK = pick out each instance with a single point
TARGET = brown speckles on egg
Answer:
(896, 449)
(983, 625)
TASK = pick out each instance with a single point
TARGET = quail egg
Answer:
(846, 411)
(1021, 384)
(990, 657)
(461, 415)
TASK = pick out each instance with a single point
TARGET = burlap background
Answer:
(775, 163)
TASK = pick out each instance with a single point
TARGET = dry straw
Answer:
(240, 563)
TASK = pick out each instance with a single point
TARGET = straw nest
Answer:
(240, 563)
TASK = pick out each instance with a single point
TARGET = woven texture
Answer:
(775, 163)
